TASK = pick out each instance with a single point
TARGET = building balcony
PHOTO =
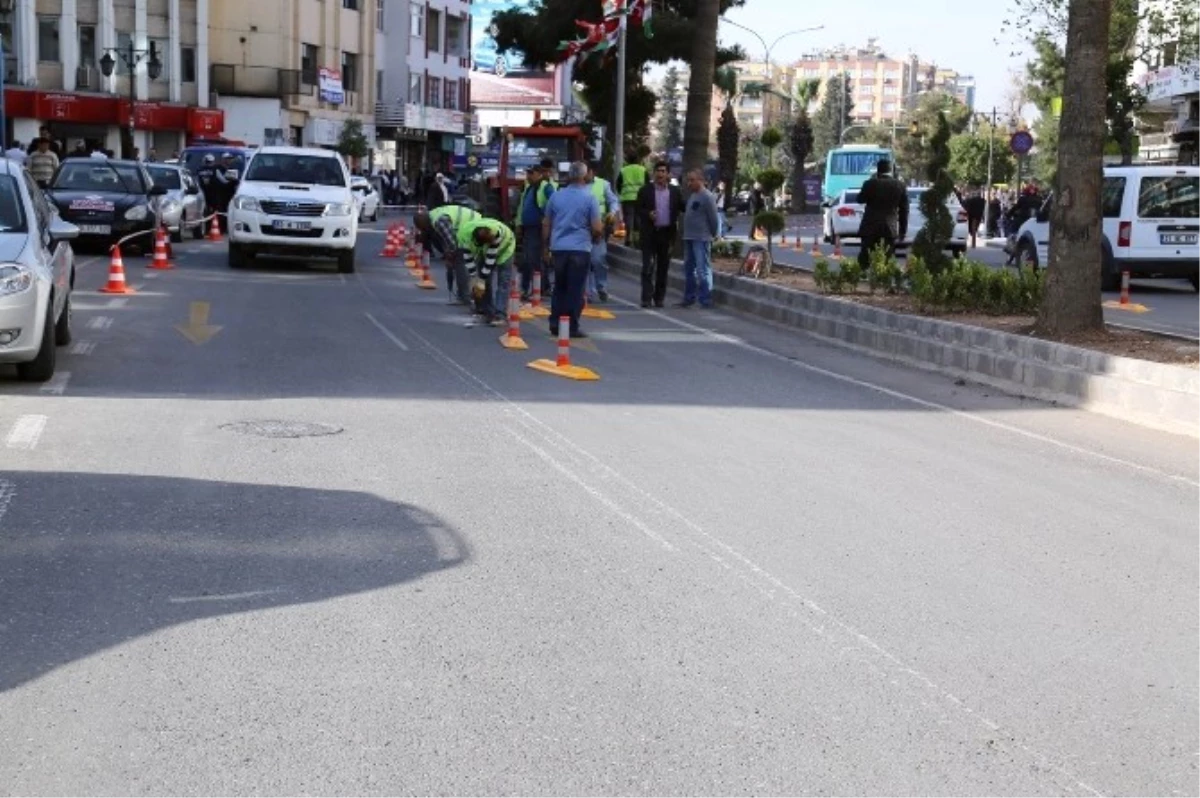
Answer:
(235, 80)
(389, 115)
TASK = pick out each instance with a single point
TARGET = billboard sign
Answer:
(484, 55)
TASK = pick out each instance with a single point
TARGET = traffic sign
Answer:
(1021, 142)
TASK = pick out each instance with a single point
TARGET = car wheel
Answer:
(237, 257)
(345, 262)
(501, 68)
(62, 330)
(1026, 256)
(198, 229)
(177, 235)
(41, 368)
(957, 251)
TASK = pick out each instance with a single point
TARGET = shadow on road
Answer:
(93, 560)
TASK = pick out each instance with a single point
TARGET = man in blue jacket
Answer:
(531, 211)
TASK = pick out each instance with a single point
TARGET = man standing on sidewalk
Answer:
(573, 223)
(610, 210)
(701, 224)
(658, 207)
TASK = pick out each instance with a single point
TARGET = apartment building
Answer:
(764, 97)
(422, 115)
(293, 71)
(1169, 79)
(53, 52)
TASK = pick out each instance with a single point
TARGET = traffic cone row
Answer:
(512, 338)
(214, 229)
(561, 365)
(536, 309)
(391, 246)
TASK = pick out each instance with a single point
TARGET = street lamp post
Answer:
(131, 58)
(768, 48)
(896, 116)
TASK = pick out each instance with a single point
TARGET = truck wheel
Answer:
(345, 262)
(237, 257)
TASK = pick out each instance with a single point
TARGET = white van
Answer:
(294, 201)
(1151, 225)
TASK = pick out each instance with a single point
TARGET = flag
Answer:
(641, 11)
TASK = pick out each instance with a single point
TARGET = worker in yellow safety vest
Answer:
(610, 212)
(630, 179)
(527, 222)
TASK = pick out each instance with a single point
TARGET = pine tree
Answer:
(669, 133)
(933, 239)
(727, 147)
(831, 117)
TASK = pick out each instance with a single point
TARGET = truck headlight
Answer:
(14, 279)
(339, 209)
(242, 203)
(137, 213)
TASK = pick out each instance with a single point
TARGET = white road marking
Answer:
(118, 302)
(57, 384)
(25, 434)
(83, 347)
(150, 275)
(7, 491)
(100, 323)
(387, 333)
(249, 594)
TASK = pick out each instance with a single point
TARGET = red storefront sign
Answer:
(154, 115)
(205, 121)
(100, 109)
(68, 107)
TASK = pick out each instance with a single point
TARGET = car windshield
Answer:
(527, 151)
(194, 159)
(1169, 197)
(315, 170)
(855, 163)
(167, 178)
(850, 198)
(12, 210)
(94, 174)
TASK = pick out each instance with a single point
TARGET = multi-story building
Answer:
(1169, 121)
(422, 115)
(54, 51)
(764, 95)
(292, 71)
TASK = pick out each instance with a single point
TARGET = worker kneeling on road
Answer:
(438, 230)
(491, 245)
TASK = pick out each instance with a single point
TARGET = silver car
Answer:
(37, 272)
(182, 207)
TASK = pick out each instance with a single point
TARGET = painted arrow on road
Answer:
(198, 330)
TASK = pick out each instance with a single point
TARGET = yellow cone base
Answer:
(567, 372)
(597, 313)
(536, 313)
(513, 342)
(427, 284)
(525, 314)
(1130, 307)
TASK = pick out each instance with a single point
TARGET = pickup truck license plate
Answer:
(1178, 238)
(95, 229)
(280, 224)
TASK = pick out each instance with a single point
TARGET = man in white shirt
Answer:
(16, 153)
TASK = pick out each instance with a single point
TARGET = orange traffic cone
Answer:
(214, 229)
(535, 298)
(561, 365)
(816, 248)
(837, 246)
(426, 280)
(160, 262)
(783, 237)
(1124, 288)
(401, 236)
(389, 243)
(799, 245)
(116, 275)
(512, 338)
(413, 262)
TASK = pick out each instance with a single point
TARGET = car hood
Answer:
(11, 246)
(294, 191)
(74, 201)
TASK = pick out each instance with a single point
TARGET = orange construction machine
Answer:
(522, 147)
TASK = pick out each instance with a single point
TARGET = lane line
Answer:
(57, 384)
(25, 433)
(118, 302)
(386, 332)
(916, 400)
(100, 323)
(83, 347)
(7, 491)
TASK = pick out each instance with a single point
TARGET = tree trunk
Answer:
(798, 193)
(700, 85)
(1071, 303)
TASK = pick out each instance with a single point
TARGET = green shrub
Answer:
(821, 273)
(720, 249)
(883, 274)
(851, 274)
(735, 248)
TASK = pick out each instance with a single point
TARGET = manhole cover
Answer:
(282, 429)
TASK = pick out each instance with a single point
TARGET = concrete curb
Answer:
(1155, 395)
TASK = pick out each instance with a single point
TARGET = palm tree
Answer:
(700, 87)
(806, 92)
(801, 139)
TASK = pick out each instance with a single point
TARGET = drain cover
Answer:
(282, 429)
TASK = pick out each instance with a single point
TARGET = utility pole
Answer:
(619, 121)
(987, 208)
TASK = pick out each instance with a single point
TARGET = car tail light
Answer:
(962, 216)
(1123, 234)
(844, 211)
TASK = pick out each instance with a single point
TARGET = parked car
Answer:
(1150, 222)
(106, 199)
(486, 57)
(37, 273)
(844, 217)
(367, 198)
(294, 201)
(183, 206)
(916, 221)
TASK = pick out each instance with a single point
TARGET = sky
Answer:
(959, 36)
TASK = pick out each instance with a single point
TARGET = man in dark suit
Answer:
(659, 206)
(885, 213)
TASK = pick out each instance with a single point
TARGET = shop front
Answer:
(96, 120)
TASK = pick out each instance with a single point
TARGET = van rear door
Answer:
(1166, 224)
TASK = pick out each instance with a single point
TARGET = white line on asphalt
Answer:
(57, 384)
(25, 433)
(769, 584)
(7, 491)
(387, 333)
(118, 302)
(978, 419)
(223, 597)
(100, 323)
(83, 348)
(151, 275)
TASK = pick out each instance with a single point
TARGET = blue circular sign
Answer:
(1021, 142)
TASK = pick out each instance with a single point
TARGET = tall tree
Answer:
(669, 134)
(700, 84)
(969, 156)
(832, 116)
(931, 241)
(914, 153)
(1071, 301)
(800, 138)
(727, 129)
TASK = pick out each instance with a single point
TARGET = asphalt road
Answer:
(742, 562)
(1163, 306)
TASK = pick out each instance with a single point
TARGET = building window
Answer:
(378, 85)
(163, 48)
(48, 39)
(87, 45)
(433, 93)
(119, 65)
(889, 107)
(308, 64)
(349, 71)
(350, 4)
(455, 28)
(890, 91)
(379, 6)
(417, 21)
(187, 64)
(433, 32)
(452, 94)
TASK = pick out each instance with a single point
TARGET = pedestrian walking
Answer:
(975, 206)
(885, 213)
(701, 224)
(659, 206)
(531, 212)
(610, 211)
(572, 225)
(630, 180)
(490, 245)
(722, 198)
(43, 163)
(993, 216)
(438, 230)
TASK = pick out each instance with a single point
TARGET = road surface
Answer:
(283, 531)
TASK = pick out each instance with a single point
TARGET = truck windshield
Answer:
(527, 151)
